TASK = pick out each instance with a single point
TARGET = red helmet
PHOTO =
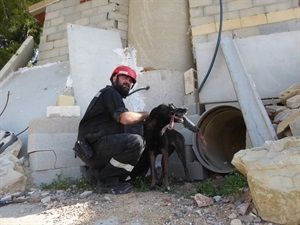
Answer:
(124, 70)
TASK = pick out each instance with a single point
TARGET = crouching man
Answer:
(108, 150)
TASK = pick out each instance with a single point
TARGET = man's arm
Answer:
(130, 118)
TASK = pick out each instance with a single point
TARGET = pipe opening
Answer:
(224, 133)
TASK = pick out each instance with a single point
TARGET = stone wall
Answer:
(104, 14)
(242, 18)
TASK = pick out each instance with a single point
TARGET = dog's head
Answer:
(167, 115)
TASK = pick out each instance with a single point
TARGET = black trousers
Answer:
(116, 155)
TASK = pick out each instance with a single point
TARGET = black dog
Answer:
(161, 138)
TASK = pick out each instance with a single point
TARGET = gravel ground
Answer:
(136, 208)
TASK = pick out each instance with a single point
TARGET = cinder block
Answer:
(63, 111)
(279, 16)
(297, 12)
(48, 176)
(66, 158)
(229, 24)
(201, 20)
(204, 29)
(50, 141)
(54, 125)
(190, 81)
(195, 168)
(42, 160)
(238, 5)
(254, 20)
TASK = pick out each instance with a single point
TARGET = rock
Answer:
(85, 194)
(285, 123)
(202, 200)
(295, 126)
(242, 208)
(236, 222)
(12, 175)
(273, 176)
(290, 92)
(293, 102)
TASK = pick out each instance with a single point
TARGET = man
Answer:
(114, 150)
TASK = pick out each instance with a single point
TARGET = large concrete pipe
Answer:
(224, 133)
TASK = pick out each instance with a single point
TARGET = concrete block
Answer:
(48, 176)
(229, 24)
(196, 12)
(99, 2)
(53, 159)
(88, 12)
(65, 100)
(57, 20)
(61, 43)
(204, 29)
(120, 2)
(52, 15)
(42, 160)
(190, 81)
(252, 11)
(117, 16)
(48, 141)
(66, 159)
(238, 5)
(63, 111)
(297, 12)
(196, 170)
(83, 21)
(107, 8)
(278, 6)
(254, 20)
(228, 16)
(201, 20)
(54, 125)
(72, 17)
(212, 10)
(191, 99)
(280, 16)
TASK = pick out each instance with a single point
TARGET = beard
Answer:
(124, 91)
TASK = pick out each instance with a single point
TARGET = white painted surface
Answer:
(32, 90)
(272, 60)
(92, 60)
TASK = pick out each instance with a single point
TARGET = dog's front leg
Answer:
(165, 167)
(152, 169)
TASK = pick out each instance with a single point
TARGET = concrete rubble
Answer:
(273, 177)
(12, 174)
(273, 170)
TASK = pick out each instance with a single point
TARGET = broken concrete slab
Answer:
(273, 176)
(276, 74)
(30, 88)
(91, 63)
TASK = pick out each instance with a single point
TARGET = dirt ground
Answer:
(136, 208)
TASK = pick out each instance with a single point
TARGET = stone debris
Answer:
(12, 173)
(63, 207)
(285, 117)
(273, 177)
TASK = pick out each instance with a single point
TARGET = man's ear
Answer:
(114, 78)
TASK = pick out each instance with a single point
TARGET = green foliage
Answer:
(141, 183)
(233, 183)
(74, 186)
(16, 24)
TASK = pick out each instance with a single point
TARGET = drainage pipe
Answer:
(223, 134)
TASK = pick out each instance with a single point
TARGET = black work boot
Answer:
(91, 175)
(113, 186)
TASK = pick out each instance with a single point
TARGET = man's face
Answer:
(123, 84)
